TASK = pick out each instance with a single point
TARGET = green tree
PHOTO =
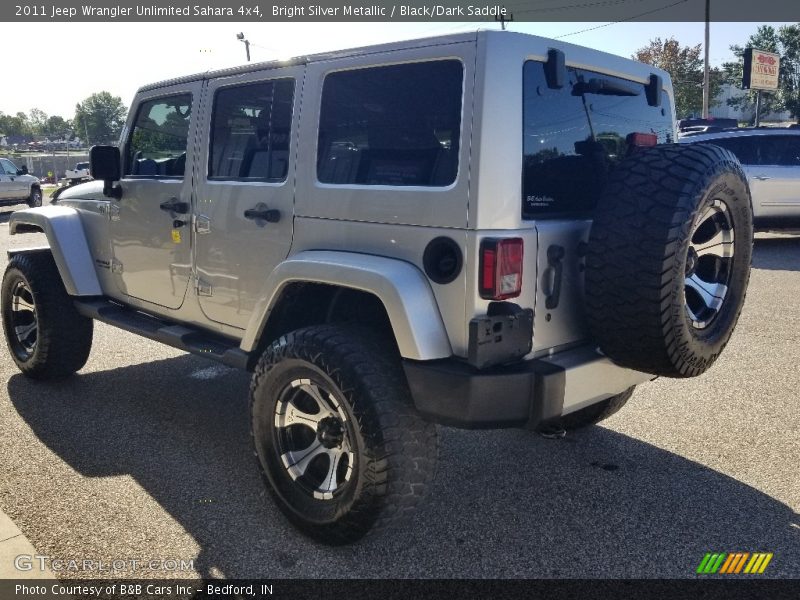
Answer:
(57, 126)
(101, 117)
(14, 124)
(785, 41)
(685, 66)
(37, 120)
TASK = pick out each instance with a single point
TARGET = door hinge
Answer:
(203, 288)
(202, 224)
(116, 266)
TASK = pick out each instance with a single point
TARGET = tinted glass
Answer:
(744, 148)
(397, 125)
(572, 139)
(781, 150)
(158, 141)
(251, 131)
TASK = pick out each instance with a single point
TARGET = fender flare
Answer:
(400, 286)
(67, 240)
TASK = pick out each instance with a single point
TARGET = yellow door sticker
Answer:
(176, 236)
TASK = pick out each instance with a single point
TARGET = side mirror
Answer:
(104, 163)
(23, 170)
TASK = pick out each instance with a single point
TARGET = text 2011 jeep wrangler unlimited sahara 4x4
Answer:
(481, 230)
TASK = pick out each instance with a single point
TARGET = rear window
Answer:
(572, 140)
(395, 125)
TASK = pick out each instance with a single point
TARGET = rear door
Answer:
(149, 225)
(775, 180)
(245, 188)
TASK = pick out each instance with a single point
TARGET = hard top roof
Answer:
(302, 60)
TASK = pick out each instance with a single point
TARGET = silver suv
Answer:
(770, 158)
(17, 187)
(481, 230)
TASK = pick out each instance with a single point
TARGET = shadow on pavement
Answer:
(777, 253)
(504, 504)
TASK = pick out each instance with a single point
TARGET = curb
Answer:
(13, 543)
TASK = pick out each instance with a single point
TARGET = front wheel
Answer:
(35, 198)
(47, 337)
(337, 438)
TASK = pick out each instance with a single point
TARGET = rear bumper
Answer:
(524, 394)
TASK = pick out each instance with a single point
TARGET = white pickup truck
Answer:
(79, 174)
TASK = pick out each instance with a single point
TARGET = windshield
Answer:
(574, 135)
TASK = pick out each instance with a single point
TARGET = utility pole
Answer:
(706, 70)
(246, 42)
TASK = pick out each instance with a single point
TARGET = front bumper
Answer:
(524, 394)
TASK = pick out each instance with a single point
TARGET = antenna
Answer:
(501, 16)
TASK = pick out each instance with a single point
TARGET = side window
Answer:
(790, 152)
(251, 130)
(158, 141)
(780, 150)
(744, 148)
(8, 167)
(396, 125)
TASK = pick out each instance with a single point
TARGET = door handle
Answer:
(761, 177)
(261, 213)
(173, 206)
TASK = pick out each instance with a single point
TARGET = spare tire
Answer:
(668, 259)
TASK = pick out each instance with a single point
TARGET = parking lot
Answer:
(145, 456)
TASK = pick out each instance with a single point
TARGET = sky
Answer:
(60, 64)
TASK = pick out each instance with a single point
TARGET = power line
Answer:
(649, 12)
(519, 8)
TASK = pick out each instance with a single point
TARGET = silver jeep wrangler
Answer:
(480, 230)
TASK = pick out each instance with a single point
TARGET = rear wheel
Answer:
(336, 435)
(47, 337)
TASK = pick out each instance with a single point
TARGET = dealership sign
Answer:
(760, 70)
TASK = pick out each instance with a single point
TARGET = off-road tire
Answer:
(63, 337)
(35, 198)
(638, 260)
(600, 411)
(394, 449)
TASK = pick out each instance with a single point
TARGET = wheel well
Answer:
(304, 304)
(27, 228)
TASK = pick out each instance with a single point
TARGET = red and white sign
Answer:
(764, 67)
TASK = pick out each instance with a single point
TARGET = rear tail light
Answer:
(642, 140)
(501, 268)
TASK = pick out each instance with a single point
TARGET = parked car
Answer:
(690, 123)
(79, 174)
(17, 186)
(771, 159)
(482, 230)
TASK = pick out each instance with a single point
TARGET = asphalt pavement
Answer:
(144, 456)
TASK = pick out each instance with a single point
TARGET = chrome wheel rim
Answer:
(708, 265)
(314, 438)
(24, 321)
